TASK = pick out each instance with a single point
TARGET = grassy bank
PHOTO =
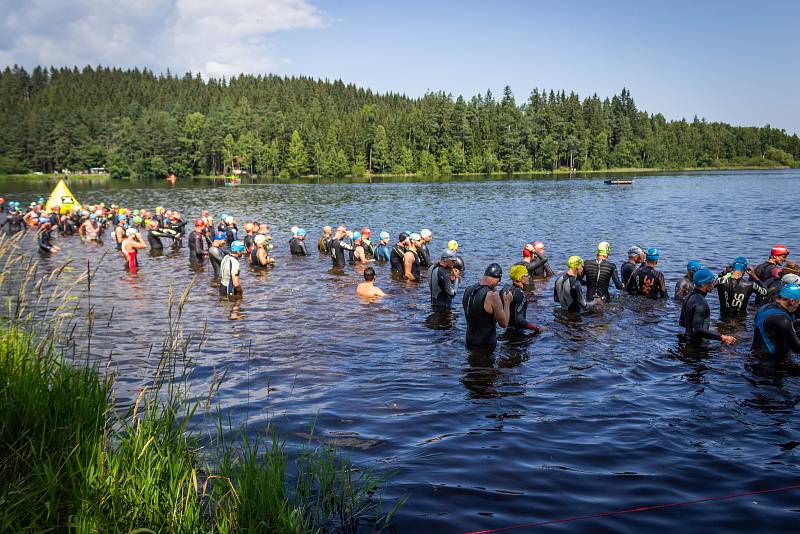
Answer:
(54, 177)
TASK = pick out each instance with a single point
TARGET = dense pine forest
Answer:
(139, 124)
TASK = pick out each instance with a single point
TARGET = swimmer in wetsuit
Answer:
(229, 283)
(411, 260)
(422, 251)
(646, 281)
(777, 284)
(369, 248)
(567, 290)
(734, 292)
(695, 315)
(518, 309)
(383, 252)
(337, 246)
(260, 257)
(297, 244)
(458, 262)
(119, 230)
(397, 255)
(484, 309)
(322, 242)
(599, 273)
(634, 255)
(45, 234)
(443, 279)
(217, 251)
(197, 242)
(774, 336)
(684, 286)
(777, 257)
(540, 264)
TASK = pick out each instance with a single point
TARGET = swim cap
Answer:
(740, 264)
(452, 244)
(779, 250)
(574, 262)
(494, 271)
(425, 233)
(448, 254)
(130, 232)
(223, 217)
(237, 246)
(249, 227)
(527, 250)
(199, 222)
(301, 232)
(85, 213)
(703, 277)
(653, 254)
(220, 236)
(260, 239)
(604, 248)
(790, 291)
(790, 278)
(693, 266)
(123, 217)
(366, 232)
(415, 237)
(136, 212)
(76, 208)
(92, 216)
(341, 228)
(294, 229)
(43, 220)
(356, 235)
(385, 236)
(517, 272)
(137, 220)
(229, 219)
(634, 251)
(41, 199)
(538, 245)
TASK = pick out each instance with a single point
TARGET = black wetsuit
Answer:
(337, 248)
(531, 269)
(369, 249)
(598, 275)
(117, 239)
(568, 292)
(458, 263)
(424, 255)
(322, 244)
(196, 246)
(774, 287)
(774, 335)
(154, 241)
(443, 289)
(297, 247)
(695, 317)
(734, 294)
(396, 258)
(231, 234)
(540, 265)
(481, 326)
(683, 287)
(67, 227)
(626, 271)
(518, 310)
(44, 240)
(764, 270)
(648, 282)
(14, 222)
(249, 242)
(215, 255)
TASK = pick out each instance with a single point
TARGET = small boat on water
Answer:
(618, 182)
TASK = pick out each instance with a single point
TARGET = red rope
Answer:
(632, 510)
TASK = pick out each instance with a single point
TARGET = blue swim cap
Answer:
(693, 266)
(301, 232)
(740, 264)
(653, 254)
(384, 235)
(122, 217)
(703, 277)
(237, 246)
(790, 291)
(92, 216)
(43, 220)
(356, 236)
(220, 236)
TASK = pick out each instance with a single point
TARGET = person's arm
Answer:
(662, 286)
(237, 286)
(577, 294)
(359, 254)
(499, 307)
(786, 327)
(82, 232)
(138, 242)
(615, 278)
(408, 261)
(303, 247)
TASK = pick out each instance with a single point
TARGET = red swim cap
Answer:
(538, 246)
(199, 222)
(366, 232)
(779, 250)
(527, 251)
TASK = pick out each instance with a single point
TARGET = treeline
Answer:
(139, 124)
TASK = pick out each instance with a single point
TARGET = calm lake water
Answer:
(605, 413)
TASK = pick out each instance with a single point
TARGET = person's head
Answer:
(447, 258)
(738, 267)
(229, 219)
(453, 245)
(357, 237)
(294, 230)
(260, 240)
(326, 230)
(426, 235)
(237, 248)
(778, 254)
(366, 233)
(249, 227)
(415, 239)
(692, 267)
(634, 254)
(575, 264)
(527, 251)
(369, 274)
(603, 249)
(122, 219)
(789, 297)
(263, 229)
(652, 256)
(791, 267)
(385, 237)
(340, 231)
(704, 280)
(492, 275)
(402, 239)
(790, 278)
(199, 224)
(519, 275)
(301, 233)
(153, 225)
(131, 232)
(538, 246)
(219, 238)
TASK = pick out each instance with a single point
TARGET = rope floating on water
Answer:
(633, 510)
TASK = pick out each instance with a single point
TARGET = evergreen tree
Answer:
(297, 158)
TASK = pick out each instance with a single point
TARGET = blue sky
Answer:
(736, 62)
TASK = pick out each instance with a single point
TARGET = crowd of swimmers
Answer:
(774, 285)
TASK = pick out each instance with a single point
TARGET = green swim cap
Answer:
(574, 262)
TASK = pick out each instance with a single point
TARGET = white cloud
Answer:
(215, 37)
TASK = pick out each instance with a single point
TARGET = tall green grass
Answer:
(72, 458)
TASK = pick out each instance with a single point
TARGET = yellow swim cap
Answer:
(604, 248)
(517, 272)
(452, 244)
(574, 262)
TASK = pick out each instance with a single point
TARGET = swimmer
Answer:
(119, 230)
(787, 275)
(91, 229)
(397, 255)
(777, 257)
(734, 292)
(197, 242)
(774, 335)
(337, 246)
(411, 261)
(695, 315)
(369, 248)
(45, 235)
(249, 236)
(422, 250)
(684, 286)
(154, 236)
(634, 254)
(541, 265)
(367, 288)
(260, 257)
(484, 309)
(229, 284)
(458, 263)
(322, 242)
(647, 281)
(599, 273)
(130, 247)
(567, 290)
(443, 279)
(297, 245)
(519, 301)
(383, 252)
(217, 251)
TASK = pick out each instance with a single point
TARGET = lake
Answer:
(599, 414)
